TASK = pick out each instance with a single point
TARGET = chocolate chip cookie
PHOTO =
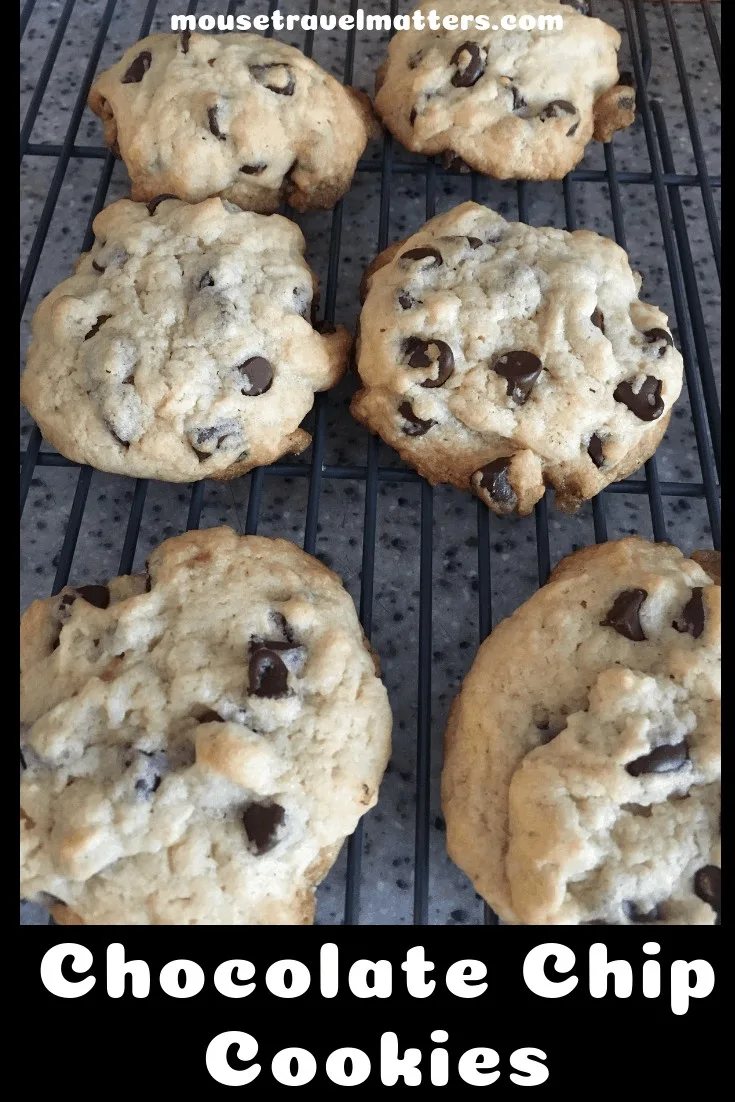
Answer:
(581, 777)
(199, 739)
(182, 347)
(502, 358)
(243, 117)
(514, 104)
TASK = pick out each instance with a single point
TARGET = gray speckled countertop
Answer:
(387, 869)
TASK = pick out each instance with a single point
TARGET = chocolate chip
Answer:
(259, 72)
(413, 116)
(414, 426)
(212, 115)
(97, 267)
(406, 301)
(148, 785)
(494, 479)
(647, 404)
(594, 451)
(573, 129)
(653, 336)
(97, 595)
(636, 914)
(424, 253)
(664, 759)
(208, 716)
(138, 69)
(259, 374)
(268, 676)
(422, 353)
(624, 615)
(474, 242)
(598, 318)
(692, 616)
(205, 281)
(627, 79)
(556, 109)
(521, 370)
(185, 36)
(261, 822)
(253, 170)
(518, 100)
(155, 203)
(708, 885)
(98, 325)
(470, 64)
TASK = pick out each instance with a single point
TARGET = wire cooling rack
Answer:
(393, 167)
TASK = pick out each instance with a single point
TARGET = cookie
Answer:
(236, 115)
(581, 779)
(199, 739)
(503, 358)
(181, 348)
(514, 104)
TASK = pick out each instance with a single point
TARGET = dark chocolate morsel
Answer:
(474, 242)
(209, 716)
(494, 479)
(663, 759)
(692, 616)
(521, 370)
(636, 914)
(260, 376)
(708, 885)
(97, 267)
(412, 117)
(406, 301)
(138, 68)
(598, 318)
(518, 99)
(654, 336)
(267, 674)
(261, 822)
(426, 353)
(556, 109)
(205, 281)
(213, 117)
(624, 615)
(153, 204)
(470, 64)
(423, 254)
(98, 325)
(185, 36)
(253, 170)
(594, 451)
(647, 404)
(414, 425)
(260, 74)
(97, 595)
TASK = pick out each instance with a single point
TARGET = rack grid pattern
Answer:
(699, 373)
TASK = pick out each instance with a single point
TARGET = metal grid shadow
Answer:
(699, 373)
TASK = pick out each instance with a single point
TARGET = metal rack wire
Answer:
(699, 373)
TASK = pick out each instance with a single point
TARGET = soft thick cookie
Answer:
(199, 740)
(502, 358)
(181, 349)
(243, 117)
(581, 778)
(515, 104)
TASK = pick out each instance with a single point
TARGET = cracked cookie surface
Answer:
(514, 104)
(240, 116)
(199, 740)
(502, 358)
(581, 780)
(181, 348)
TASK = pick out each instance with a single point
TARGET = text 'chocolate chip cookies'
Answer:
(240, 116)
(515, 104)
(199, 740)
(503, 358)
(181, 348)
(581, 778)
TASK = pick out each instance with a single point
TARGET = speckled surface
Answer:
(388, 856)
